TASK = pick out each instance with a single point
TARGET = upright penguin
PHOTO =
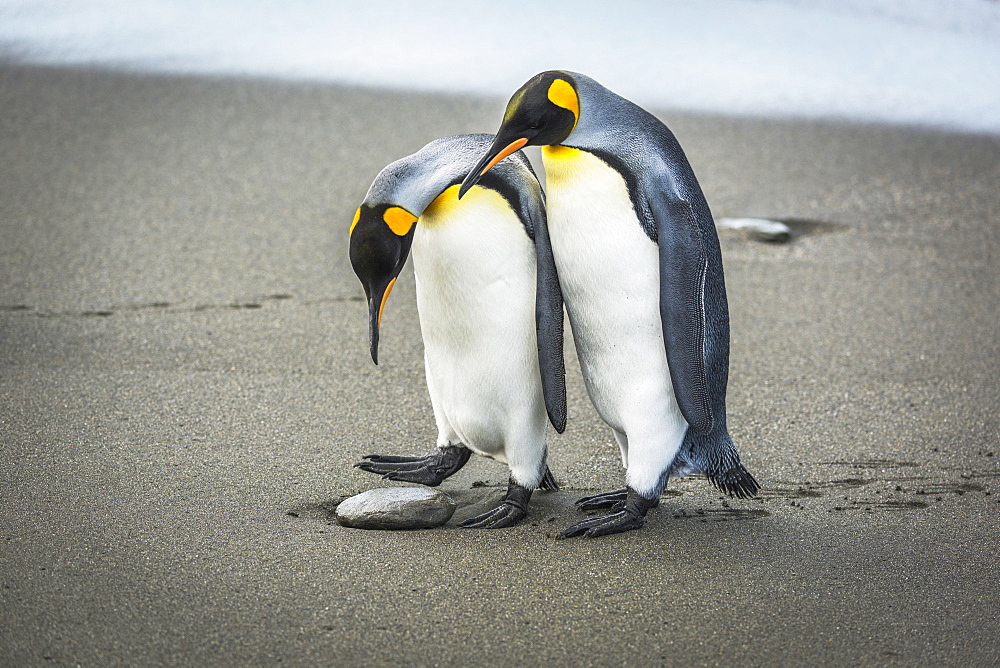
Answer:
(639, 262)
(490, 314)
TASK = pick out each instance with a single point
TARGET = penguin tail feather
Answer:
(736, 482)
(548, 481)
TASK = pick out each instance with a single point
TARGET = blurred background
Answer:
(922, 62)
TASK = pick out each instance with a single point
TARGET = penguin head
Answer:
(544, 111)
(381, 235)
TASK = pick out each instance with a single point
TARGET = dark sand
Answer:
(185, 383)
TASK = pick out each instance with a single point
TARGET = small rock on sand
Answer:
(396, 508)
(760, 229)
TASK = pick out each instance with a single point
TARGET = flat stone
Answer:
(395, 508)
(761, 229)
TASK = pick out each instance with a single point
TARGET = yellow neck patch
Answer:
(447, 205)
(558, 151)
(562, 94)
(443, 204)
(563, 163)
(399, 220)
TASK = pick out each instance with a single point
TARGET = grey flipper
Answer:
(549, 326)
(683, 268)
(673, 212)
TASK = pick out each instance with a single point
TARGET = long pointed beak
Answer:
(488, 161)
(373, 325)
(375, 307)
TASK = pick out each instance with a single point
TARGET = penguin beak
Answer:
(500, 149)
(376, 304)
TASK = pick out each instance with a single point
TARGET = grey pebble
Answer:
(396, 508)
(760, 229)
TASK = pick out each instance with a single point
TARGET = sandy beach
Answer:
(185, 384)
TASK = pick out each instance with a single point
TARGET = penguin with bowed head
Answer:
(490, 310)
(640, 267)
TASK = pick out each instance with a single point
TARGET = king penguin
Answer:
(640, 267)
(490, 311)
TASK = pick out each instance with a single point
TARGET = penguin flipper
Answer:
(683, 268)
(430, 470)
(549, 326)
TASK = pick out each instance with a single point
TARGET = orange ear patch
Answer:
(399, 220)
(357, 217)
(562, 94)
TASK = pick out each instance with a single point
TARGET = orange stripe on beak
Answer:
(511, 147)
(385, 296)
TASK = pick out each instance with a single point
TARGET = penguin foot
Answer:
(630, 516)
(501, 517)
(430, 470)
(604, 500)
(614, 500)
(513, 509)
(602, 526)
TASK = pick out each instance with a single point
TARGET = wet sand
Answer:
(185, 383)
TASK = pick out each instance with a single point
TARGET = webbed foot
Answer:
(501, 517)
(603, 500)
(430, 470)
(614, 500)
(631, 514)
(513, 509)
(608, 524)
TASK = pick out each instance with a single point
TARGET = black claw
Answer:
(430, 470)
(604, 500)
(602, 526)
(513, 509)
(615, 500)
(396, 459)
(501, 517)
(422, 476)
(630, 516)
(382, 467)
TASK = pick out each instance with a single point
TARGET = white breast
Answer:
(475, 279)
(609, 272)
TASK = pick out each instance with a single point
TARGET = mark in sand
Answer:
(171, 307)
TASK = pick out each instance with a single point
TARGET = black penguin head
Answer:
(381, 236)
(542, 112)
